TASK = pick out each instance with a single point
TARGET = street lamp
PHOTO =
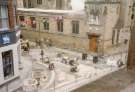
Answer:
(42, 55)
(39, 33)
(40, 20)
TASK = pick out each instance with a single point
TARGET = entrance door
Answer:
(93, 44)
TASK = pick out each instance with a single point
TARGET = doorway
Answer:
(93, 43)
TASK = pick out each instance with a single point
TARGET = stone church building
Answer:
(97, 29)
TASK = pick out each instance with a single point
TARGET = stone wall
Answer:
(65, 39)
(72, 40)
(110, 21)
(60, 40)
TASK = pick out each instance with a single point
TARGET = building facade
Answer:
(45, 4)
(106, 19)
(101, 30)
(9, 47)
(66, 29)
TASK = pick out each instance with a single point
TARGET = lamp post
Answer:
(42, 55)
(39, 30)
(39, 33)
(40, 42)
(54, 77)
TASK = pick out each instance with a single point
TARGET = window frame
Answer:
(39, 2)
(60, 25)
(32, 20)
(46, 25)
(4, 18)
(75, 27)
(8, 64)
(59, 4)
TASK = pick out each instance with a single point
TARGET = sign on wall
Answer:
(6, 39)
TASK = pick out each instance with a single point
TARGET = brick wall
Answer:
(11, 14)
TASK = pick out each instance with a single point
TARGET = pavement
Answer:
(119, 81)
(130, 88)
(61, 79)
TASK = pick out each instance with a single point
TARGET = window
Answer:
(33, 22)
(94, 17)
(21, 18)
(4, 24)
(75, 27)
(60, 25)
(105, 12)
(29, 4)
(46, 25)
(113, 36)
(22, 21)
(58, 4)
(7, 59)
(39, 1)
(24, 4)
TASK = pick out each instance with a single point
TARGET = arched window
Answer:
(75, 26)
(39, 1)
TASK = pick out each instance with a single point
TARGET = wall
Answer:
(15, 80)
(65, 39)
(19, 3)
(110, 21)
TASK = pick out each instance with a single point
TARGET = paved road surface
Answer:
(121, 81)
